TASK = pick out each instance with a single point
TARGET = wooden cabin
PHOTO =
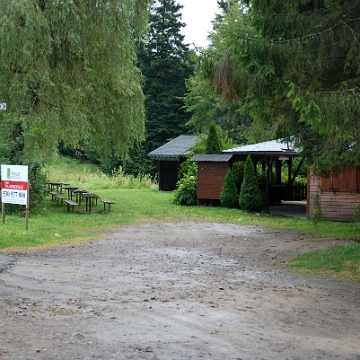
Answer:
(338, 196)
(169, 158)
(212, 169)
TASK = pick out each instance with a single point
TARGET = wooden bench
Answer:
(107, 202)
(53, 194)
(71, 203)
(59, 197)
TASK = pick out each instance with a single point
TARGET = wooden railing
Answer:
(287, 192)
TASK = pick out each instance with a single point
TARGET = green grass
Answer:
(137, 200)
(341, 261)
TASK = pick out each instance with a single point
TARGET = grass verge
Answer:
(339, 261)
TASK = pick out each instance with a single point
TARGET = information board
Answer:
(14, 184)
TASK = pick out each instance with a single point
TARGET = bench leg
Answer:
(105, 207)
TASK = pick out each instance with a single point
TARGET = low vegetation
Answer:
(339, 261)
(137, 200)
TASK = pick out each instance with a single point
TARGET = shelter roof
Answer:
(269, 148)
(211, 157)
(174, 149)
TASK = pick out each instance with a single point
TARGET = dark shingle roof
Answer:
(211, 157)
(174, 149)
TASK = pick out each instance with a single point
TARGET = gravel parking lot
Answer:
(176, 291)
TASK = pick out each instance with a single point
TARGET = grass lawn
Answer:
(137, 200)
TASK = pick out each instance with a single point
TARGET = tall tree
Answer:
(67, 72)
(294, 67)
(165, 62)
(224, 4)
(205, 103)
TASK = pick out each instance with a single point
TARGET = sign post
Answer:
(15, 188)
(3, 106)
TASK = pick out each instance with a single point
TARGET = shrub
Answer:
(186, 187)
(250, 196)
(213, 144)
(238, 172)
(229, 195)
(37, 179)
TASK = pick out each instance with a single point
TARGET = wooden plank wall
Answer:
(339, 196)
(211, 177)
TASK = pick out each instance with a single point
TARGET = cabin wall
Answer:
(338, 196)
(211, 177)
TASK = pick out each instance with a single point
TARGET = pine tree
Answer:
(165, 63)
(293, 66)
(206, 105)
(229, 196)
(250, 198)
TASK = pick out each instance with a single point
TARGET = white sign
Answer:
(14, 184)
(3, 106)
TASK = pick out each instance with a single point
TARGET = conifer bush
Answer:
(250, 198)
(213, 144)
(229, 195)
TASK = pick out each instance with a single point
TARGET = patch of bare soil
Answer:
(176, 291)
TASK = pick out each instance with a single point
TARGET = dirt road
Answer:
(176, 291)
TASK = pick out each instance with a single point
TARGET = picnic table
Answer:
(89, 198)
(77, 192)
(53, 185)
(69, 188)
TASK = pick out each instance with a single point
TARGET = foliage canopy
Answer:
(67, 72)
(294, 67)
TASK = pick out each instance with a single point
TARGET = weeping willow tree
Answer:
(294, 66)
(67, 73)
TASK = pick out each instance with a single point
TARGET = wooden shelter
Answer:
(272, 155)
(337, 196)
(169, 157)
